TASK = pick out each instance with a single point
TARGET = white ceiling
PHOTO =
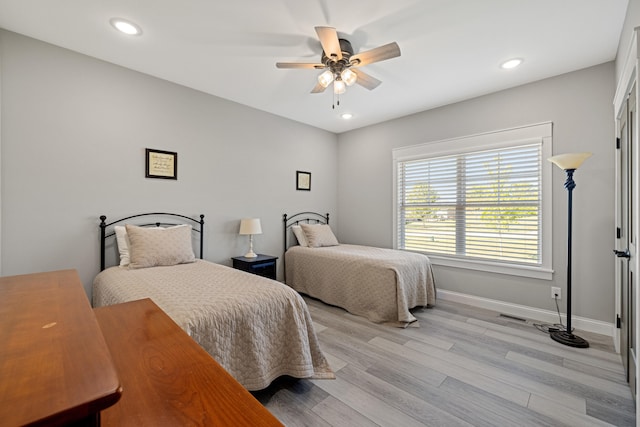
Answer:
(451, 49)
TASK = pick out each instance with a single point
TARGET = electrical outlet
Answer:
(556, 291)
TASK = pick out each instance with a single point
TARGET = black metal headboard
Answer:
(105, 234)
(295, 219)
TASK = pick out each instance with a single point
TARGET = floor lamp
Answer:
(569, 163)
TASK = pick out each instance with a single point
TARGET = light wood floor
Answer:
(463, 367)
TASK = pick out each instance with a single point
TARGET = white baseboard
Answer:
(545, 316)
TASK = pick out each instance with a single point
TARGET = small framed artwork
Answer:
(303, 181)
(161, 164)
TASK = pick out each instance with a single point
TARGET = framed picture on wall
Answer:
(161, 164)
(303, 180)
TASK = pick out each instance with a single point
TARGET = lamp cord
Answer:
(548, 327)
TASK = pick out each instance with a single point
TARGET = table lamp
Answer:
(250, 226)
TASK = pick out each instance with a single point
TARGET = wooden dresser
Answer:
(62, 363)
(55, 366)
(168, 379)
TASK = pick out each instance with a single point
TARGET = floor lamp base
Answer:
(566, 338)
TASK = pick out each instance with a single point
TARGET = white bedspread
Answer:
(379, 284)
(256, 328)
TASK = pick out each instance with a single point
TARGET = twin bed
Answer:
(256, 328)
(379, 284)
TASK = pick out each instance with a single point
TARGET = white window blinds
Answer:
(479, 204)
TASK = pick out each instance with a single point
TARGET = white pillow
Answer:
(150, 247)
(302, 239)
(319, 235)
(123, 244)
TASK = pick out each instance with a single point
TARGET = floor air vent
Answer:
(512, 317)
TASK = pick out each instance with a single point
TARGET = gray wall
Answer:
(580, 106)
(74, 130)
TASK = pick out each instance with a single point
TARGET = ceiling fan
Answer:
(341, 65)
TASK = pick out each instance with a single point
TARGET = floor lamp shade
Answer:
(569, 160)
(569, 163)
(250, 226)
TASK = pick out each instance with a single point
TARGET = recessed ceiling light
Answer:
(512, 63)
(125, 26)
(346, 116)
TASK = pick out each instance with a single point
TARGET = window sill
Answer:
(493, 267)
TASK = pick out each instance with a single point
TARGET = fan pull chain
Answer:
(333, 105)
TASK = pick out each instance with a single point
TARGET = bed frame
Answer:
(296, 219)
(104, 234)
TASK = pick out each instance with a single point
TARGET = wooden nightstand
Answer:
(262, 265)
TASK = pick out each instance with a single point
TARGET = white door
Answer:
(625, 237)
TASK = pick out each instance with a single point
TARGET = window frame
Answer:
(537, 133)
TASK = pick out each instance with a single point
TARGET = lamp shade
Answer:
(325, 78)
(339, 87)
(348, 76)
(569, 160)
(250, 226)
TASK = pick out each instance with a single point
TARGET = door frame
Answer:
(628, 78)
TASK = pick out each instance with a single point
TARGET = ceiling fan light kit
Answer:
(349, 77)
(325, 78)
(339, 61)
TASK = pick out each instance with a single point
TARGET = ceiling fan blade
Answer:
(366, 81)
(329, 40)
(299, 65)
(381, 53)
(318, 88)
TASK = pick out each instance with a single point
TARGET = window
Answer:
(478, 202)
